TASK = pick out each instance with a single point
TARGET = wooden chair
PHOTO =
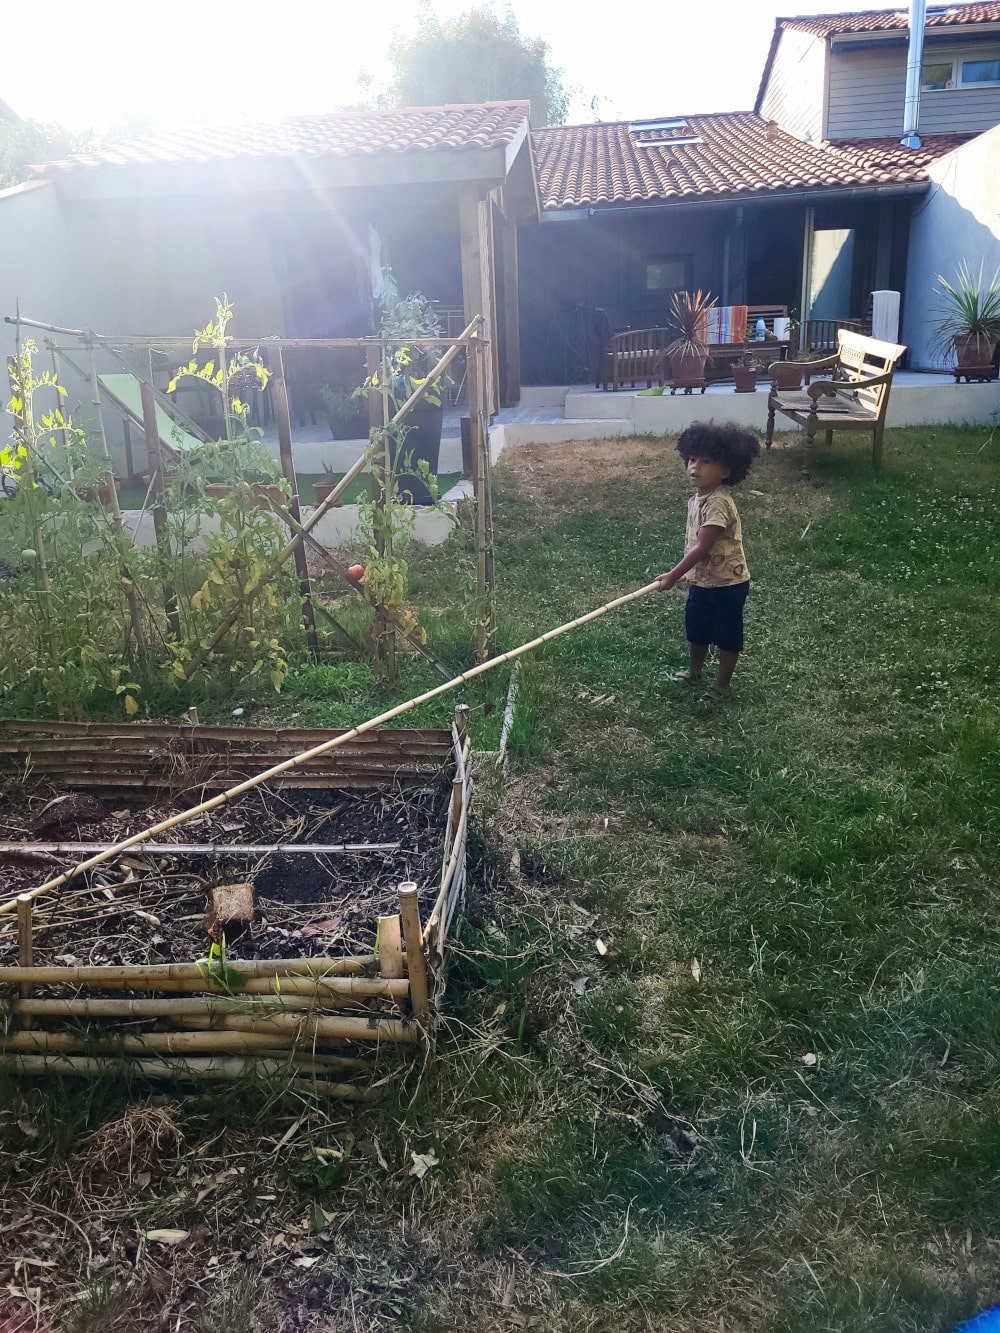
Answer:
(853, 395)
(637, 354)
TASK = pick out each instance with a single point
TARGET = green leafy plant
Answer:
(969, 307)
(401, 319)
(217, 969)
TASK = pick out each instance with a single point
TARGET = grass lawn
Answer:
(769, 1098)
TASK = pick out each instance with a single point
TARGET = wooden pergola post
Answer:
(478, 287)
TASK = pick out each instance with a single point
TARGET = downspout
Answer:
(914, 65)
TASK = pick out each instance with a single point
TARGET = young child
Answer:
(718, 457)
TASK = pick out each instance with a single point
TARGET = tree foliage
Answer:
(24, 143)
(476, 57)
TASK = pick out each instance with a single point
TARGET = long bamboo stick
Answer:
(151, 1042)
(149, 976)
(191, 1068)
(212, 1008)
(334, 991)
(348, 1027)
(206, 848)
(297, 760)
(178, 1042)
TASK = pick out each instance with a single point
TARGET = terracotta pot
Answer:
(786, 375)
(322, 490)
(100, 494)
(218, 490)
(745, 380)
(687, 371)
(975, 354)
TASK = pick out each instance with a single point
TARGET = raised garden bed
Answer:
(115, 970)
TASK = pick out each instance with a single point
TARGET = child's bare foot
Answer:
(715, 694)
(687, 677)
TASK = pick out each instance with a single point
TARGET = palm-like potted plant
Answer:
(968, 321)
(688, 352)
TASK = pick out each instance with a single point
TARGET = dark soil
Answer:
(142, 908)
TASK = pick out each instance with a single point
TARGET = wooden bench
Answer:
(853, 395)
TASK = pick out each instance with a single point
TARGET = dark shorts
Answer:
(715, 615)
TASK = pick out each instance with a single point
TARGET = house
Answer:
(807, 201)
(291, 220)
(843, 76)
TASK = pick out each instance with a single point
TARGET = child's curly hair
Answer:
(722, 442)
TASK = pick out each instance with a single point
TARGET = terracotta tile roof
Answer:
(583, 165)
(938, 16)
(482, 125)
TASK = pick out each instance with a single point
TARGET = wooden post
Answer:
(131, 596)
(416, 964)
(283, 418)
(462, 723)
(390, 947)
(479, 487)
(25, 946)
(378, 416)
(151, 430)
(507, 317)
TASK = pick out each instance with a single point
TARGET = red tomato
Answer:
(356, 573)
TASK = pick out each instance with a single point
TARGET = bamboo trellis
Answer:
(470, 341)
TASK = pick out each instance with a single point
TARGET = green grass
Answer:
(821, 846)
(770, 1099)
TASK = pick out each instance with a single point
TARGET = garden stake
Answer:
(326, 746)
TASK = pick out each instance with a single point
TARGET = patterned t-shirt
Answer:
(726, 563)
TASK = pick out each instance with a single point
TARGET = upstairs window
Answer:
(940, 75)
(980, 71)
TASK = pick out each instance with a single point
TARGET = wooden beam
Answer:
(477, 275)
(508, 318)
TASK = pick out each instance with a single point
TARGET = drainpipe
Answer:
(914, 64)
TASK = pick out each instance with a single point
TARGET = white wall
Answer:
(959, 219)
(33, 271)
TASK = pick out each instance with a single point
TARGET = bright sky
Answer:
(90, 63)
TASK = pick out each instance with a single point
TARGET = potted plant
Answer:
(745, 372)
(417, 442)
(101, 493)
(346, 415)
(322, 489)
(688, 353)
(786, 375)
(968, 322)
